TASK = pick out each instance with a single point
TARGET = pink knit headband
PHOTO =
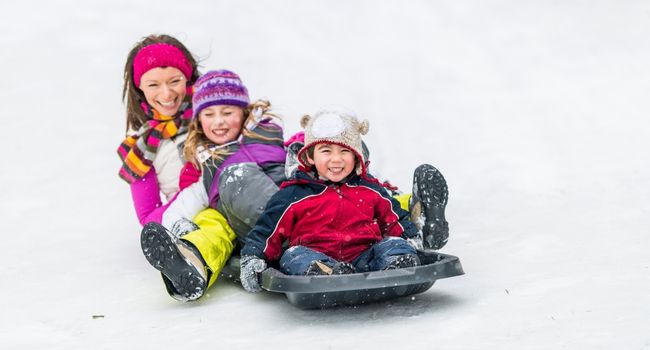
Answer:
(159, 55)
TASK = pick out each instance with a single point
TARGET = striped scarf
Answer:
(138, 151)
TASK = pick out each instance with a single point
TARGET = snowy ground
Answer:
(536, 112)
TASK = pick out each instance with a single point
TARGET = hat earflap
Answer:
(364, 127)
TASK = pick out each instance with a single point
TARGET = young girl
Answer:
(241, 153)
(335, 218)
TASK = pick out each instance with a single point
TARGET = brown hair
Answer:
(132, 95)
(196, 138)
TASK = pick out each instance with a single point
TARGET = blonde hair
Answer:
(197, 139)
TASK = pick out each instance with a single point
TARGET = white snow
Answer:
(536, 112)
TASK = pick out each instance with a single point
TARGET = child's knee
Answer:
(395, 246)
(213, 225)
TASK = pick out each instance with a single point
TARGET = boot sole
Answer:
(163, 254)
(430, 195)
(403, 262)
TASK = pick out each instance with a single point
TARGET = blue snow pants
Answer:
(296, 260)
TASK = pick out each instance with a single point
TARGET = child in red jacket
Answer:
(335, 217)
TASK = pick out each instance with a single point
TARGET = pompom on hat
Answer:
(160, 55)
(219, 87)
(334, 125)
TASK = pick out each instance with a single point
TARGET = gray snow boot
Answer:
(427, 206)
(179, 262)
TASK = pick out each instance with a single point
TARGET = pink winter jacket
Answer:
(146, 193)
(146, 198)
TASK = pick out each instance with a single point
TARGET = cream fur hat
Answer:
(335, 125)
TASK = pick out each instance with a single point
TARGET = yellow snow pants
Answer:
(403, 200)
(215, 240)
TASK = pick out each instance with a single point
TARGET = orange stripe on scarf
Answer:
(135, 164)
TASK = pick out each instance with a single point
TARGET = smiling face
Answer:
(332, 162)
(164, 89)
(221, 123)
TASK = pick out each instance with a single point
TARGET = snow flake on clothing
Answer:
(236, 174)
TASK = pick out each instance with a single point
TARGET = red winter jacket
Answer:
(339, 220)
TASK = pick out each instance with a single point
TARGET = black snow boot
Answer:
(318, 268)
(403, 261)
(427, 206)
(180, 263)
(342, 268)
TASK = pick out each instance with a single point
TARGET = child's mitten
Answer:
(189, 175)
(251, 267)
(183, 227)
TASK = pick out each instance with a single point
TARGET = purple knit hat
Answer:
(219, 87)
(160, 55)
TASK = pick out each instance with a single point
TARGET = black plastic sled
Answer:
(314, 292)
